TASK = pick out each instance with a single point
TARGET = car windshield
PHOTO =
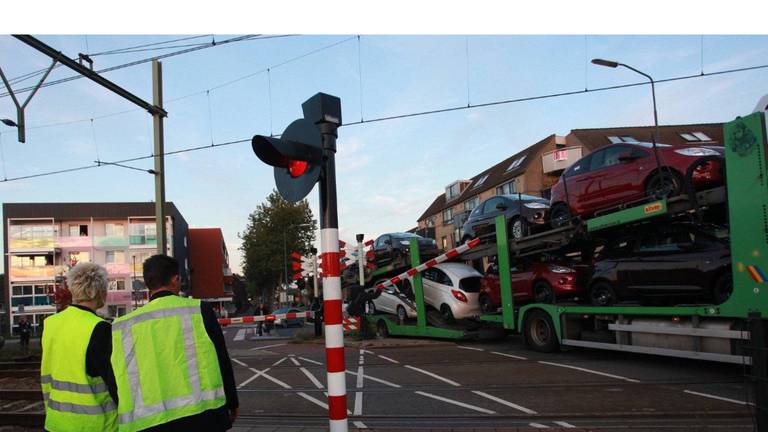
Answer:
(524, 197)
(405, 235)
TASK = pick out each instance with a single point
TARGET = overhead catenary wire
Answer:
(2, 158)
(415, 114)
(152, 44)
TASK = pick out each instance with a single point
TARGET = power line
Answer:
(118, 50)
(147, 60)
(421, 113)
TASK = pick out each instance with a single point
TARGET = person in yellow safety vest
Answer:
(170, 360)
(75, 373)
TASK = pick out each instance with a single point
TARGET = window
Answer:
(115, 257)
(143, 233)
(458, 233)
(76, 257)
(381, 242)
(507, 188)
(29, 232)
(31, 261)
(516, 163)
(430, 222)
(702, 136)
(452, 191)
(115, 229)
(480, 181)
(440, 277)
(622, 139)
(78, 230)
(490, 205)
(447, 216)
(471, 203)
(117, 285)
(579, 167)
(444, 242)
(695, 136)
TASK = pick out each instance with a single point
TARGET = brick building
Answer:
(535, 169)
(209, 266)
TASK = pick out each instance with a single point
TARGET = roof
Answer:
(496, 175)
(82, 210)
(598, 137)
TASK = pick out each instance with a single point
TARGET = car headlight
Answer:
(536, 205)
(559, 269)
(697, 151)
(405, 243)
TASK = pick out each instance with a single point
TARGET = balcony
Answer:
(73, 242)
(114, 269)
(33, 244)
(556, 161)
(110, 242)
(140, 241)
(35, 273)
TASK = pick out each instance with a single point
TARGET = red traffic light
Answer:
(297, 168)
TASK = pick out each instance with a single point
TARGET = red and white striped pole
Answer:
(329, 249)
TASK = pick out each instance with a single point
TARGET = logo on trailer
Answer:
(652, 208)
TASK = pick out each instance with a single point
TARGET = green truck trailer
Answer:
(729, 332)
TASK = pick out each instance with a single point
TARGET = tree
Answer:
(275, 229)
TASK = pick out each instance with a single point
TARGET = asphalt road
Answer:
(401, 384)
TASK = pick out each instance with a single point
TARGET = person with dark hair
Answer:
(170, 360)
(25, 329)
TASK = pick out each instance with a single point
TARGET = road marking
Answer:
(509, 355)
(256, 375)
(457, 403)
(711, 396)
(311, 361)
(279, 361)
(266, 346)
(312, 378)
(591, 371)
(469, 348)
(366, 351)
(359, 425)
(435, 376)
(276, 381)
(539, 426)
(240, 363)
(240, 335)
(376, 379)
(565, 424)
(503, 402)
(388, 359)
(296, 362)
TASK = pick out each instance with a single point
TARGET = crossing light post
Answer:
(303, 155)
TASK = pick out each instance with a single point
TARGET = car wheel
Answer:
(518, 228)
(723, 288)
(401, 314)
(408, 290)
(371, 308)
(543, 292)
(382, 331)
(540, 334)
(559, 215)
(486, 305)
(446, 313)
(663, 184)
(602, 294)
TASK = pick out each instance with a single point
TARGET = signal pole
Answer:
(157, 121)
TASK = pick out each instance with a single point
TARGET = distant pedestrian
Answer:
(25, 329)
(317, 308)
(261, 309)
(76, 376)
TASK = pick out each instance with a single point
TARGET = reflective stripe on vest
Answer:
(74, 408)
(140, 410)
(73, 387)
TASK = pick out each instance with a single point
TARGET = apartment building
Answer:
(41, 241)
(209, 267)
(536, 168)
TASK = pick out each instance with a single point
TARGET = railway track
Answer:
(21, 401)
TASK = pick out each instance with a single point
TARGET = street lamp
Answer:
(615, 64)
(9, 122)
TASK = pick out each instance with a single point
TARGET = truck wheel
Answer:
(382, 332)
(540, 334)
(371, 308)
(486, 305)
(401, 314)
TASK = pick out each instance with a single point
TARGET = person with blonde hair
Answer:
(76, 374)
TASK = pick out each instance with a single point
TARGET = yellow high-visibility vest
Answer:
(165, 364)
(74, 401)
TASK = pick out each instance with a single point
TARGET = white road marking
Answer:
(276, 381)
(256, 375)
(358, 411)
(296, 362)
(266, 346)
(376, 379)
(360, 376)
(509, 355)
(311, 361)
(469, 348)
(435, 376)
(591, 371)
(359, 425)
(240, 335)
(312, 378)
(504, 402)
(358, 404)
(240, 363)
(457, 403)
(8, 404)
(711, 396)
(316, 401)
(388, 359)
(366, 351)
(565, 424)
(539, 426)
(279, 361)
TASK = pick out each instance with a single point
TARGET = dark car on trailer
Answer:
(677, 262)
(523, 213)
(394, 248)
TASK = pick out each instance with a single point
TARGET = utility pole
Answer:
(157, 121)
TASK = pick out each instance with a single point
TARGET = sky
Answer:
(388, 172)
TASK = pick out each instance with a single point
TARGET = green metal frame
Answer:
(421, 328)
(632, 214)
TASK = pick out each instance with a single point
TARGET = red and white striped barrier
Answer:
(351, 323)
(334, 330)
(431, 263)
(261, 318)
